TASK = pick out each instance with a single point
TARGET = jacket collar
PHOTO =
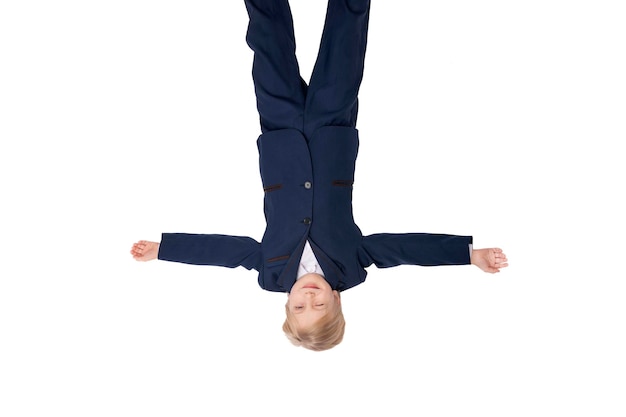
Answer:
(288, 276)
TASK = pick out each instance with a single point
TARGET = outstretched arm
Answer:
(197, 249)
(391, 249)
(145, 250)
(213, 249)
(489, 260)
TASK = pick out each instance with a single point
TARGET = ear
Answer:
(337, 297)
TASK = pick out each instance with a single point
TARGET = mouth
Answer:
(313, 286)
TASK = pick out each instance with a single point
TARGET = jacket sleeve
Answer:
(218, 250)
(386, 249)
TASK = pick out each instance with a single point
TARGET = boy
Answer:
(312, 248)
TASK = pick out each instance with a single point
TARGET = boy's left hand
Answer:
(145, 250)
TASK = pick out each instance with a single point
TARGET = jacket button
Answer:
(307, 220)
(308, 185)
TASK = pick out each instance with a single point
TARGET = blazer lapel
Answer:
(332, 273)
(287, 277)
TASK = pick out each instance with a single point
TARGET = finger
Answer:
(500, 263)
(137, 251)
(140, 244)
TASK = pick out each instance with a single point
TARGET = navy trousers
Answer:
(284, 100)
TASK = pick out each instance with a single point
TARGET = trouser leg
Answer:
(279, 88)
(332, 94)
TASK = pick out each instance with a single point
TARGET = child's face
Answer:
(310, 299)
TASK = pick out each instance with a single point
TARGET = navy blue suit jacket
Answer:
(308, 195)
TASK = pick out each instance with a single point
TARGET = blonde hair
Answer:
(325, 334)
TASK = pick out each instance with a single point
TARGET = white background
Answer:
(120, 120)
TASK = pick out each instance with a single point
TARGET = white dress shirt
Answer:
(308, 262)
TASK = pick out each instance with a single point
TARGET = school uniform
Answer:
(307, 153)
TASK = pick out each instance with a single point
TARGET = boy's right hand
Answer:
(489, 260)
(145, 250)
